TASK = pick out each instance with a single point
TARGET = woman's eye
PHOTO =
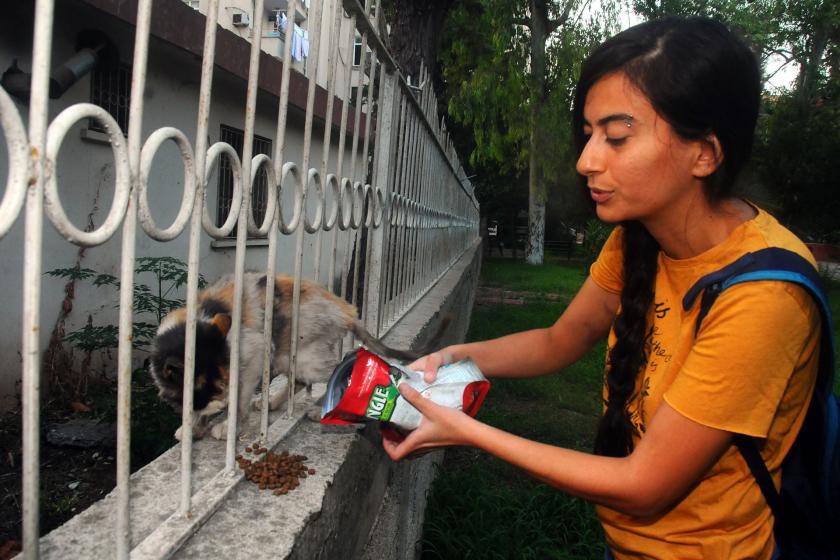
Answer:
(616, 141)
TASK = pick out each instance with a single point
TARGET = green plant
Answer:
(597, 233)
(169, 275)
(62, 505)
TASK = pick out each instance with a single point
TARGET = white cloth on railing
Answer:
(300, 43)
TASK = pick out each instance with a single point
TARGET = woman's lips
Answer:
(599, 196)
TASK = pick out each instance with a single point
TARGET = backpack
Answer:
(807, 507)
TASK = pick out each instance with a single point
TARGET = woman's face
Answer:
(637, 168)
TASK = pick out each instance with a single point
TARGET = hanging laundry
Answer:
(305, 43)
(297, 43)
(281, 22)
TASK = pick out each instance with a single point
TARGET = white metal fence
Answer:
(408, 214)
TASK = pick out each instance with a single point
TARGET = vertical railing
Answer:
(399, 219)
(31, 387)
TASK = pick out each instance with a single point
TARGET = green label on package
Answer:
(381, 403)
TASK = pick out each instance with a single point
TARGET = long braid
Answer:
(629, 354)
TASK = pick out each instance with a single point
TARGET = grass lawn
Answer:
(480, 507)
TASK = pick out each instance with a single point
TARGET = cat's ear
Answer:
(222, 322)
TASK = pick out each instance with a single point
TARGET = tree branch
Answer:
(776, 71)
(555, 24)
(522, 21)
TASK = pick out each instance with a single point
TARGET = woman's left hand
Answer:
(441, 426)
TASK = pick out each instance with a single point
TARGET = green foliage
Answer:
(169, 274)
(488, 69)
(597, 233)
(832, 289)
(799, 142)
(91, 338)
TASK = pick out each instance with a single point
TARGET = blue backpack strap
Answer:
(772, 263)
(776, 264)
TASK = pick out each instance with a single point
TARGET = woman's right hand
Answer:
(430, 363)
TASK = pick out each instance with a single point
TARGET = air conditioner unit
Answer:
(241, 19)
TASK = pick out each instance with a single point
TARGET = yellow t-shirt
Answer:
(751, 370)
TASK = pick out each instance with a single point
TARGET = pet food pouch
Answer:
(363, 388)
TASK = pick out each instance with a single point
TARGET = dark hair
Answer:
(701, 78)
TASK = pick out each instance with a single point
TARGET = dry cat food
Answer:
(364, 387)
(279, 472)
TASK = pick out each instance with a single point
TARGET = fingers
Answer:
(429, 365)
(433, 362)
(400, 450)
(410, 394)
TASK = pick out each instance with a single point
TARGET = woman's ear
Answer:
(709, 157)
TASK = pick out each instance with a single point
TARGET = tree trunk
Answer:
(536, 177)
(416, 29)
(809, 69)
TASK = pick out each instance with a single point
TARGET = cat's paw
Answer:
(219, 431)
(313, 413)
(178, 433)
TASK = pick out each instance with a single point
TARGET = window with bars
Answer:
(110, 88)
(357, 50)
(259, 196)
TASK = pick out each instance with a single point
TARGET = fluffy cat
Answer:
(324, 320)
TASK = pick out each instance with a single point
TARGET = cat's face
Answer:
(212, 357)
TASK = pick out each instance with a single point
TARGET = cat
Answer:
(323, 321)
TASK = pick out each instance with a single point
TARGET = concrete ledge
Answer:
(358, 504)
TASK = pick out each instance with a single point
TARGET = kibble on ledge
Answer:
(280, 472)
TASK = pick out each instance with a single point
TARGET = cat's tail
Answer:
(379, 347)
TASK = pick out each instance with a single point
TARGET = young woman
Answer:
(665, 113)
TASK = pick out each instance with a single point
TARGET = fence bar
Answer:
(332, 46)
(276, 219)
(378, 240)
(33, 246)
(307, 146)
(124, 366)
(241, 237)
(205, 94)
(367, 203)
(352, 238)
(399, 233)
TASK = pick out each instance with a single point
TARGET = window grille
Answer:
(110, 88)
(259, 197)
(357, 50)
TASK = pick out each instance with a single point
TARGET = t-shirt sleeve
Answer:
(608, 270)
(748, 349)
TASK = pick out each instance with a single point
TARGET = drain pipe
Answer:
(17, 82)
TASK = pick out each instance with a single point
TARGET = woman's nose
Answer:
(590, 160)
